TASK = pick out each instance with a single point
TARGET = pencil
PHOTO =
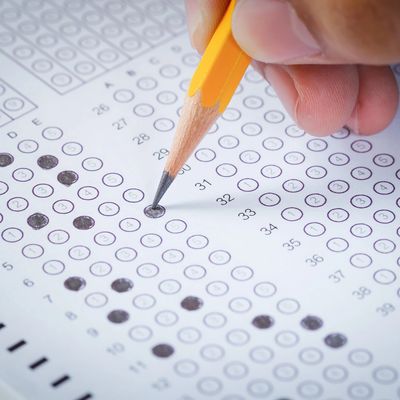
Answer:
(212, 86)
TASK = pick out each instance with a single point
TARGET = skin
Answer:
(347, 82)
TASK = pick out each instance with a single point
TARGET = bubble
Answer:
(263, 321)
(335, 340)
(67, 178)
(6, 159)
(122, 285)
(118, 316)
(47, 161)
(163, 350)
(311, 323)
(74, 283)
(191, 303)
(155, 212)
(37, 221)
(83, 222)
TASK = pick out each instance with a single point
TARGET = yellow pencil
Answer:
(212, 86)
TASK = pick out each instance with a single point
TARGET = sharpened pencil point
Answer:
(165, 182)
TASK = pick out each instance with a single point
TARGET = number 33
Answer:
(246, 214)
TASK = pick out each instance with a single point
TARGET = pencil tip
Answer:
(165, 182)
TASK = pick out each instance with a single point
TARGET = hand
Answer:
(328, 60)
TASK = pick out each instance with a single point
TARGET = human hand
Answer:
(328, 60)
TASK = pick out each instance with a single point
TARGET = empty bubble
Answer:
(166, 318)
(261, 354)
(140, 333)
(360, 357)
(52, 133)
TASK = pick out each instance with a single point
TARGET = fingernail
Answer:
(284, 87)
(194, 21)
(272, 32)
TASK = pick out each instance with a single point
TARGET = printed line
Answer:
(16, 346)
(38, 363)
(85, 397)
(60, 381)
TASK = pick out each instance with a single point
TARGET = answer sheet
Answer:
(271, 272)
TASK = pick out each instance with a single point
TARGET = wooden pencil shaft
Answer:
(194, 123)
(211, 88)
(221, 68)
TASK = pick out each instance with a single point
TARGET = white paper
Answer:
(266, 226)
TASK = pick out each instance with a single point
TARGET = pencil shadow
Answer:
(208, 204)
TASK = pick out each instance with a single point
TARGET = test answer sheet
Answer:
(272, 272)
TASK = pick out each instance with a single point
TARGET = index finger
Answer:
(203, 17)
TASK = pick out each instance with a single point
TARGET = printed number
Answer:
(385, 309)
(7, 266)
(314, 260)
(140, 139)
(116, 348)
(224, 199)
(186, 167)
(291, 244)
(119, 124)
(361, 292)
(100, 109)
(267, 230)
(246, 214)
(203, 185)
(337, 276)
(161, 384)
(160, 154)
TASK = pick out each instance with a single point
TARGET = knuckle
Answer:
(359, 30)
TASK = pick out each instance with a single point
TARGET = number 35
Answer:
(291, 244)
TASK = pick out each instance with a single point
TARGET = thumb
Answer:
(319, 32)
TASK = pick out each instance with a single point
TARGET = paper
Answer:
(274, 272)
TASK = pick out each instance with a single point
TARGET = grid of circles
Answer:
(299, 191)
(151, 23)
(313, 172)
(12, 104)
(305, 183)
(34, 56)
(121, 285)
(214, 290)
(70, 44)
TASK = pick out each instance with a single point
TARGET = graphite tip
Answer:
(165, 182)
